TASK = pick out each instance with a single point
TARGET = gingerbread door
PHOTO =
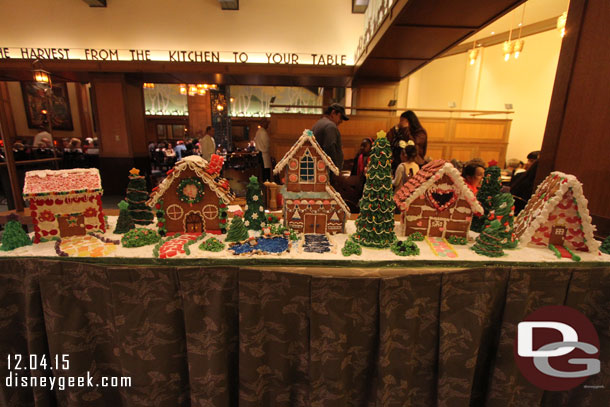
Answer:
(558, 234)
(436, 227)
(193, 223)
(71, 225)
(315, 223)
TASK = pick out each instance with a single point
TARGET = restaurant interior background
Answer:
(475, 96)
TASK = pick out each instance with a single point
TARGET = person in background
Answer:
(262, 144)
(75, 146)
(326, 132)
(408, 167)
(180, 149)
(522, 184)
(362, 158)
(43, 137)
(94, 149)
(473, 173)
(400, 132)
(170, 154)
(207, 145)
(418, 135)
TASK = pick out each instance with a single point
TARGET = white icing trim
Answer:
(306, 136)
(198, 166)
(335, 195)
(30, 175)
(459, 187)
(548, 207)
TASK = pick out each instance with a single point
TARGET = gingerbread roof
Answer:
(426, 177)
(61, 182)
(306, 137)
(220, 186)
(545, 200)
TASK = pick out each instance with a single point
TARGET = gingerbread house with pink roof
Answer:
(311, 204)
(64, 202)
(557, 214)
(436, 202)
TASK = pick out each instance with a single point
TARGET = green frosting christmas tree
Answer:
(375, 224)
(137, 195)
(504, 212)
(490, 187)
(255, 212)
(605, 247)
(14, 236)
(124, 223)
(237, 230)
(488, 243)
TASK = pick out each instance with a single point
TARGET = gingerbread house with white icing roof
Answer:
(437, 202)
(557, 214)
(193, 198)
(64, 202)
(311, 204)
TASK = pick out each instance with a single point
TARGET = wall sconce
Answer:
(147, 85)
(472, 55)
(561, 23)
(183, 89)
(392, 103)
(201, 91)
(42, 76)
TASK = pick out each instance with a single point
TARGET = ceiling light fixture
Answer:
(518, 47)
(473, 54)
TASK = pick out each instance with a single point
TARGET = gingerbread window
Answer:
(307, 171)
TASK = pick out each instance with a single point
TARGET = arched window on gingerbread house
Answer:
(307, 169)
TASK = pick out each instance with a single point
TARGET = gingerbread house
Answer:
(437, 202)
(64, 202)
(193, 198)
(557, 214)
(311, 204)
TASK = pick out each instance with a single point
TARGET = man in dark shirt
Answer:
(327, 133)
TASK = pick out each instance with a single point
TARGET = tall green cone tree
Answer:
(488, 243)
(375, 224)
(255, 212)
(136, 198)
(504, 212)
(124, 223)
(237, 230)
(490, 187)
(14, 236)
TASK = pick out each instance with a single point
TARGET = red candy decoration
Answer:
(53, 232)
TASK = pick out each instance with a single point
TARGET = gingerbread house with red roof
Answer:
(193, 198)
(64, 202)
(437, 202)
(557, 214)
(311, 204)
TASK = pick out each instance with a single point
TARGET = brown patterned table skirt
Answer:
(229, 336)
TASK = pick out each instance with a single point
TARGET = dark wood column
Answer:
(576, 139)
(8, 134)
(120, 109)
(200, 113)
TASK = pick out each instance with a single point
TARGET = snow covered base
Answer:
(296, 252)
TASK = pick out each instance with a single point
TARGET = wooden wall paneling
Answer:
(437, 129)
(110, 103)
(436, 151)
(136, 119)
(480, 130)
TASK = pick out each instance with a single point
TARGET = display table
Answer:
(216, 335)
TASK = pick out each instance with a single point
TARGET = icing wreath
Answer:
(190, 190)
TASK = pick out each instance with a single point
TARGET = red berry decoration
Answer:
(157, 206)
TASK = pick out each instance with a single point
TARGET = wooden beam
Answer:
(8, 134)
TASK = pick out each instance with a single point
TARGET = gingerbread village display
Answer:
(311, 204)
(436, 212)
(436, 202)
(64, 203)
(192, 198)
